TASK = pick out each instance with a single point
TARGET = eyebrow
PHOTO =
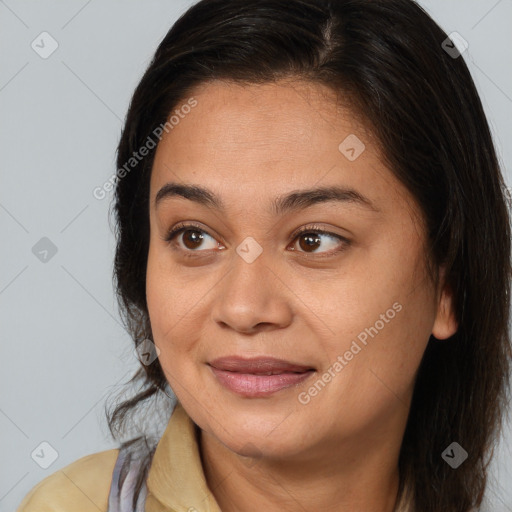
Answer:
(296, 200)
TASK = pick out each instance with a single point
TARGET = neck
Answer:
(360, 475)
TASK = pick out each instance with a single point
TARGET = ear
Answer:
(445, 324)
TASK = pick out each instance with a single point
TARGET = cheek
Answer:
(165, 300)
(169, 295)
(176, 310)
(380, 317)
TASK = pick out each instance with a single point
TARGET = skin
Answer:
(249, 144)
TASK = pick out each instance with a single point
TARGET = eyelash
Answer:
(182, 227)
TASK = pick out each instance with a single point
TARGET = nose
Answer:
(252, 297)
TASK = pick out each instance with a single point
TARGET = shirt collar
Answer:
(176, 478)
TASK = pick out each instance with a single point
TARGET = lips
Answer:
(258, 366)
(258, 377)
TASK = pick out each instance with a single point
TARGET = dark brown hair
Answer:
(386, 57)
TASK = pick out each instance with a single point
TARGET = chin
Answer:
(255, 443)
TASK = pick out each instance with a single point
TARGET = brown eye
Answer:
(192, 239)
(310, 239)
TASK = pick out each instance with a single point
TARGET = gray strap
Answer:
(133, 464)
(131, 467)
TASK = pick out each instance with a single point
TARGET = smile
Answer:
(259, 377)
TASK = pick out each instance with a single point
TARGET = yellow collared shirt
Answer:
(176, 480)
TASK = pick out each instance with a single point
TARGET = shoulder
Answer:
(83, 485)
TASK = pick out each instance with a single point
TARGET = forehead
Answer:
(289, 111)
(252, 141)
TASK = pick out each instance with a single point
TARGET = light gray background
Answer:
(62, 347)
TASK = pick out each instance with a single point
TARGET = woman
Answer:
(314, 240)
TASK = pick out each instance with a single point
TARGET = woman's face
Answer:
(352, 308)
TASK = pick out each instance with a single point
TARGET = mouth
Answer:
(258, 377)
